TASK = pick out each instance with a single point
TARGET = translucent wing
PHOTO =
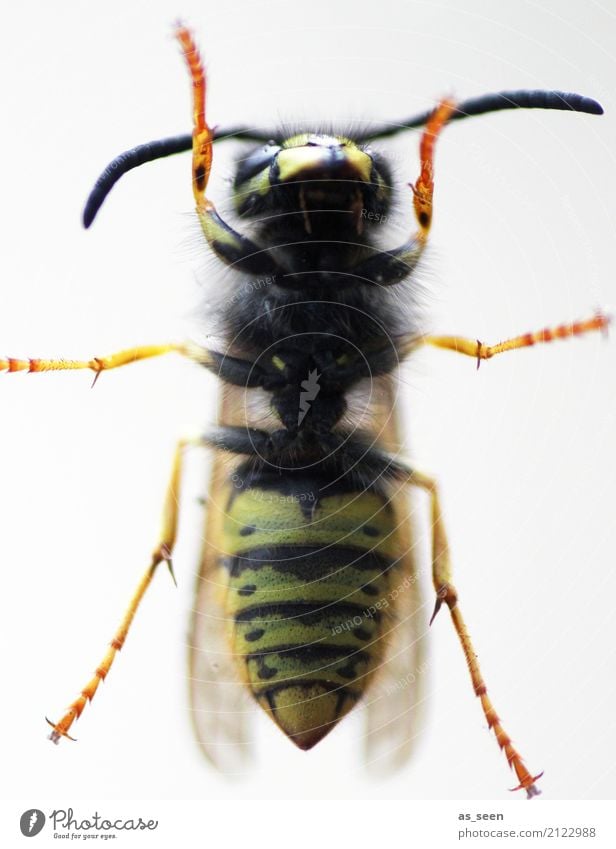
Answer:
(221, 706)
(393, 705)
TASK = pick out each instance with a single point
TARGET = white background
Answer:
(524, 449)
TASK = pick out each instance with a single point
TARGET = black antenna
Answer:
(523, 99)
(150, 151)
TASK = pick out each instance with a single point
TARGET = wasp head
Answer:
(311, 185)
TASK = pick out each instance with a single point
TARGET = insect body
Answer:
(306, 589)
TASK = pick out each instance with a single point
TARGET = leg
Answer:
(99, 364)
(162, 552)
(475, 348)
(230, 246)
(393, 266)
(120, 358)
(203, 137)
(424, 187)
(446, 592)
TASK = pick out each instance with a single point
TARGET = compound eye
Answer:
(255, 162)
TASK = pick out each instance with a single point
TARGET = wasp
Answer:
(306, 591)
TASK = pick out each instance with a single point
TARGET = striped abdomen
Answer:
(307, 597)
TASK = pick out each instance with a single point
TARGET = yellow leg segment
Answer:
(228, 244)
(162, 552)
(446, 592)
(477, 349)
(111, 361)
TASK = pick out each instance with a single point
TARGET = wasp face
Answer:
(313, 184)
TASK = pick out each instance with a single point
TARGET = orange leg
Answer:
(477, 349)
(216, 231)
(446, 592)
(162, 552)
(424, 187)
(202, 134)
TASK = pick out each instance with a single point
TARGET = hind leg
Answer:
(447, 593)
(161, 553)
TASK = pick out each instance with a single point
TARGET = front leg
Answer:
(161, 554)
(100, 364)
(480, 351)
(229, 245)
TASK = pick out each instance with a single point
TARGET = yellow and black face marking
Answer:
(307, 582)
(310, 183)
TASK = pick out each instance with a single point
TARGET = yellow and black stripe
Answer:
(309, 575)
